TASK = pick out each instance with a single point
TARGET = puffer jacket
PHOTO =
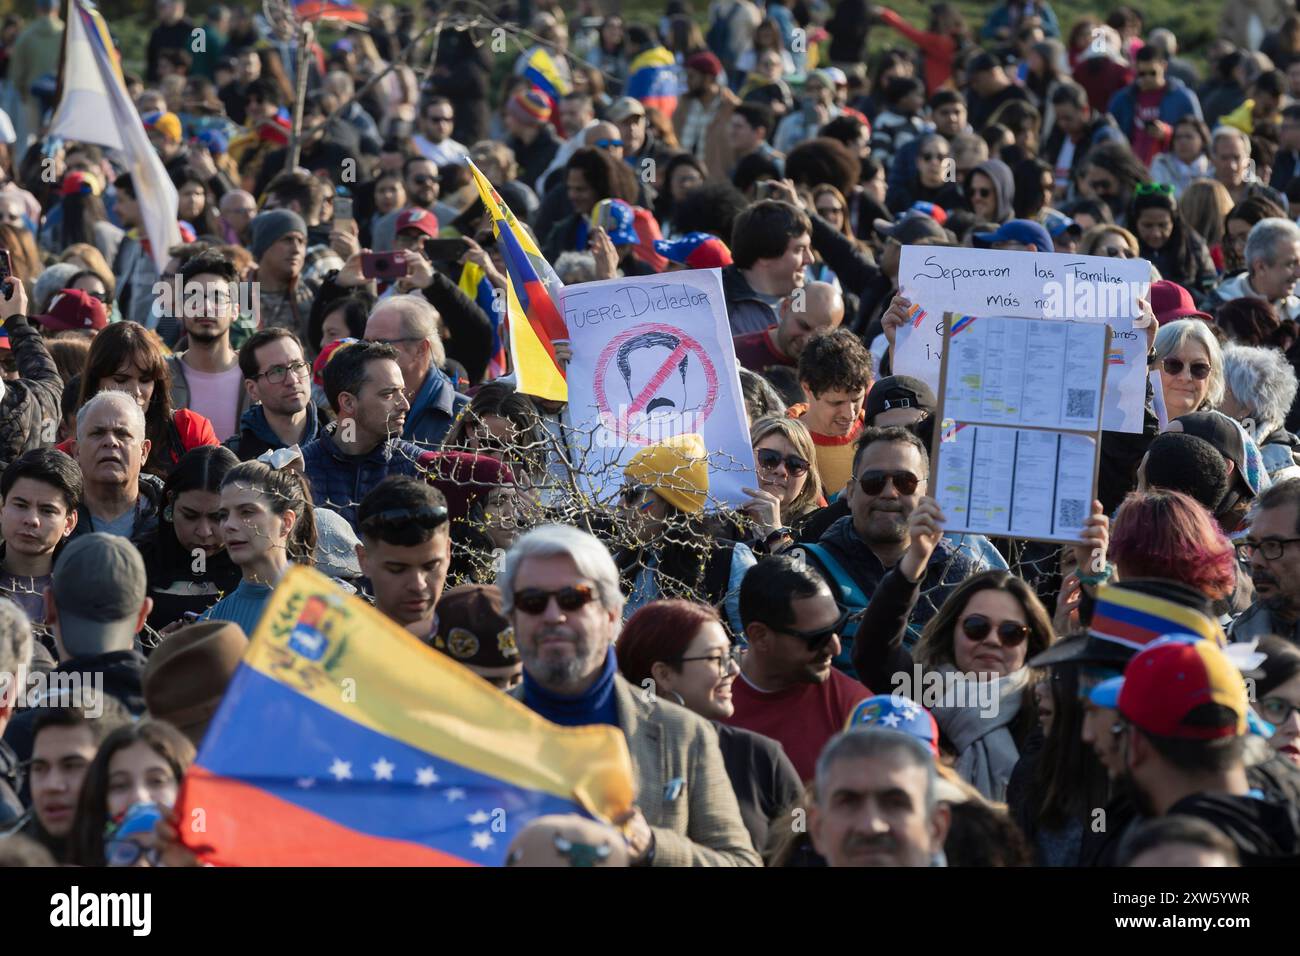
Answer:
(30, 409)
(339, 481)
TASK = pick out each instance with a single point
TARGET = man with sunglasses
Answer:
(891, 472)
(788, 689)
(423, 186)
(434, 141)
(405, 551)
(1272, 551)
(1147, 109)
(560, 590)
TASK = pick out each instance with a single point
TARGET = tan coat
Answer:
(702, 826)
(718, 156)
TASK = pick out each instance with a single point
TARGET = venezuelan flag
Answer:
(652, 79)
(532, 318)
(1134, 619)
(541, 71)
(474, 283)
(344, 741)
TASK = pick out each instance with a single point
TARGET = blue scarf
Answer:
(595, 705)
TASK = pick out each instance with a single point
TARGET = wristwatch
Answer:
(782, 532)
(1151, 357)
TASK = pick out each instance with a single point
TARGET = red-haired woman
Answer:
(1167, 534)
(680, 651)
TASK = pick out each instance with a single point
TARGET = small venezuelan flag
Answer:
(532, 318)
(963, 323)
(344, 741)
(1134, 619)
(652, 79)
(474, 283)
(541, 71)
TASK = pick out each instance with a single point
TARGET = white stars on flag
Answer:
(482, 840)
(454, 794)
(426, 777)
(341, 769)
(478, 818)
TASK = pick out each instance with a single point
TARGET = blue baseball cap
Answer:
(1058, 223)
(1106, 694)
(699, 250)
(1018, 230)
(897, 713)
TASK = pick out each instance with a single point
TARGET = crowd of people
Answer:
(824, 676)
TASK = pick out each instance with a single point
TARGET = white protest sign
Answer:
(1021, 413)
(652, 359)
(1028, 285)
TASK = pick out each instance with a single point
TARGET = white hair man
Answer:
(410, 324)
(1272, 268)
(560, 590)
(111, 449)
(877, 801)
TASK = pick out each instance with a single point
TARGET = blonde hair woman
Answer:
(789, 488)
(1205, 205)
(1109, 240)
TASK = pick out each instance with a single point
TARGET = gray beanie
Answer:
(269, 227)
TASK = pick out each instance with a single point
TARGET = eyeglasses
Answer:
(819, 638)
(1270, 548)
(981, 192)
(535, 601)
(873, 482)
(1276, 710)
(101, 296)
(631, 494)
(768, 460)
(128, 853)
(1199, 370)
(276, 373)
(1154, 189)
(423, 517)
(724, 662)
(609, 143)
(977, 627)
(1115, 252)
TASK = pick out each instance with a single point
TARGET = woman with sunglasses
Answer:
(990, 190)
(933, 180)
(1165, 240)
(681, 649)
(977, 644)
(1191, 366)
(1110, 241)
(267, 523)
(666, 547)
(1277, 695)
(139, 763)
(789, 489)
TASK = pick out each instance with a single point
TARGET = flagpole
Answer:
(305, 40)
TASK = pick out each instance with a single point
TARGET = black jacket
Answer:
(146, 522)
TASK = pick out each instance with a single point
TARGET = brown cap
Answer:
(472, 629)
(188, 674)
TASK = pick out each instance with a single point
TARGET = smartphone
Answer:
(383, 265)
(6, 266)
(343, 213)
(445, 250)
(763, 189)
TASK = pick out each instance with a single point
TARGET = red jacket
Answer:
(940, 49)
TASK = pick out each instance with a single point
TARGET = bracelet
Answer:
(1094, 579)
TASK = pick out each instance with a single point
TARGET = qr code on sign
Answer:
(1079, 402)
(1072, 513)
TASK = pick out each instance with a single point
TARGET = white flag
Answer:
(95, 108)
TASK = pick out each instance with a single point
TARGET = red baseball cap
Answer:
(1170, 302)
(1184, 688)
(74, 309)
(420, 219)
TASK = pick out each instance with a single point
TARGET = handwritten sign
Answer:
(1017, 449)
(1028, 285)
(652, 359)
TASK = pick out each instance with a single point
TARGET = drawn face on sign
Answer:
(655, 382)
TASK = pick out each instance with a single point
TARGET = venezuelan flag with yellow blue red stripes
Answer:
(343, 740)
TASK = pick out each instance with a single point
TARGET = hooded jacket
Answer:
(1178, 101)
(1004, 185)
(256, 437)
(1265, 831)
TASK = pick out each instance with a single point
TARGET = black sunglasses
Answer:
(769, 459)
(818, 638)
(1010, 633)
(535, 600)
(873, 482)
(422, 517)
(1200, 370)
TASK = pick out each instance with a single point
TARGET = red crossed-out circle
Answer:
(689, 346)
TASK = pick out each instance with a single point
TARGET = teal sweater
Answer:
(243, 606)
